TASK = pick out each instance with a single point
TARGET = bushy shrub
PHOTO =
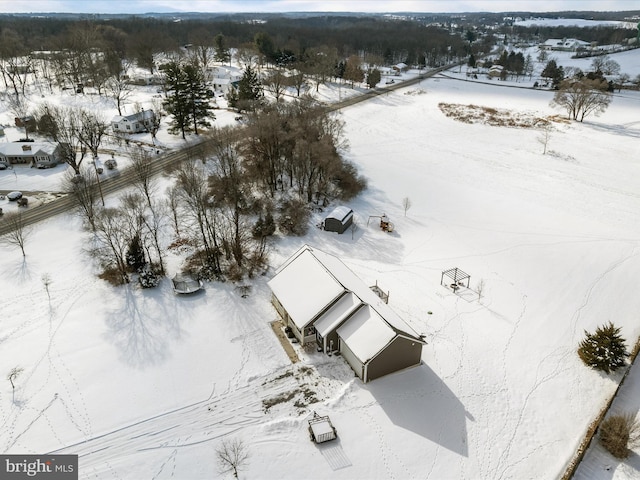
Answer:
(113, 276)
(264, 227)
(604, 350)
(294, 217)
(148, 278)
(618, 433)
(348, 181)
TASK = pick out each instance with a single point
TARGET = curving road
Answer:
(165, 161)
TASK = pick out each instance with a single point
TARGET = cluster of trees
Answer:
(94, 51)
(242, 185)
(188, 99)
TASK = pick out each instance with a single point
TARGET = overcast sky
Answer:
(143, 6)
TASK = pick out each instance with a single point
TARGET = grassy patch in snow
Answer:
(492, 116)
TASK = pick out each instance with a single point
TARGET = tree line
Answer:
(243, 185)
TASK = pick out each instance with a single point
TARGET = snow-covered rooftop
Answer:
(366, 333)
(26, 148)
(304, 287)
(340, 310)
(340, 213)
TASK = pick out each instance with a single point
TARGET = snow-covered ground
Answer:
(145, 384)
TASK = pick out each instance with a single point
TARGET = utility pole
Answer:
(95, 167)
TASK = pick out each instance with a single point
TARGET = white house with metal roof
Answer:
(324, 302)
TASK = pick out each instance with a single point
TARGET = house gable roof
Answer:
(311, 281)
(366, 333)
(134, 117)
(337, 313)
(16, 149)
(305, 287)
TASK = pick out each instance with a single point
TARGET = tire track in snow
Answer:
(200, 422)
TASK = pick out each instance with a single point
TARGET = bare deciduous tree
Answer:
(85, 193)
(480, 288)
(14, 373)
(92, 128)
(406, 204)
(232, 456)
(46, 281)
(119, 89)
(582, 97)
(18, 231)
(142, 172)
(276, 83)
(545, 136)
(113, 238)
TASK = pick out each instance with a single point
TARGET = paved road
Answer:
(34, 214)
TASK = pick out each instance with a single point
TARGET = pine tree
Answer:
(188, 101)
(222, 54)
(249, 91)
(198, 96)
(135, 254)
(604, 350)
(176, 103)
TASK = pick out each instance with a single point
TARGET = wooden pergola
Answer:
(458, 277)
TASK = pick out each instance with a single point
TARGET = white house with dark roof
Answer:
(324, 302)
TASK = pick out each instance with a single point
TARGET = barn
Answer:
(338, 220)
(325, 303)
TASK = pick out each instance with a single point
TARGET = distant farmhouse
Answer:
(222, 79)
(35, 154)
(325, 303)
(139, 122)
(565, 44)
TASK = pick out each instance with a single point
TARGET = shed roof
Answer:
(340, 213)
(366, 333)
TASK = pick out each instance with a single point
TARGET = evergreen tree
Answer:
(603, 350)
(135, 254)
(373, 78)
(554, 72)
(472, 61)
(248, 93)
(188, 99)
(198, 98)
(176, 103)
(222, 54)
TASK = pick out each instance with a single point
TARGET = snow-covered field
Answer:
(145, 384)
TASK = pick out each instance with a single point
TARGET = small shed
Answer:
(338, 220)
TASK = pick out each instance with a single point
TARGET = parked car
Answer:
(14, 196)
(3, 166)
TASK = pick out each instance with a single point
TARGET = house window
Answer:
(116, 127)
(128, 127)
